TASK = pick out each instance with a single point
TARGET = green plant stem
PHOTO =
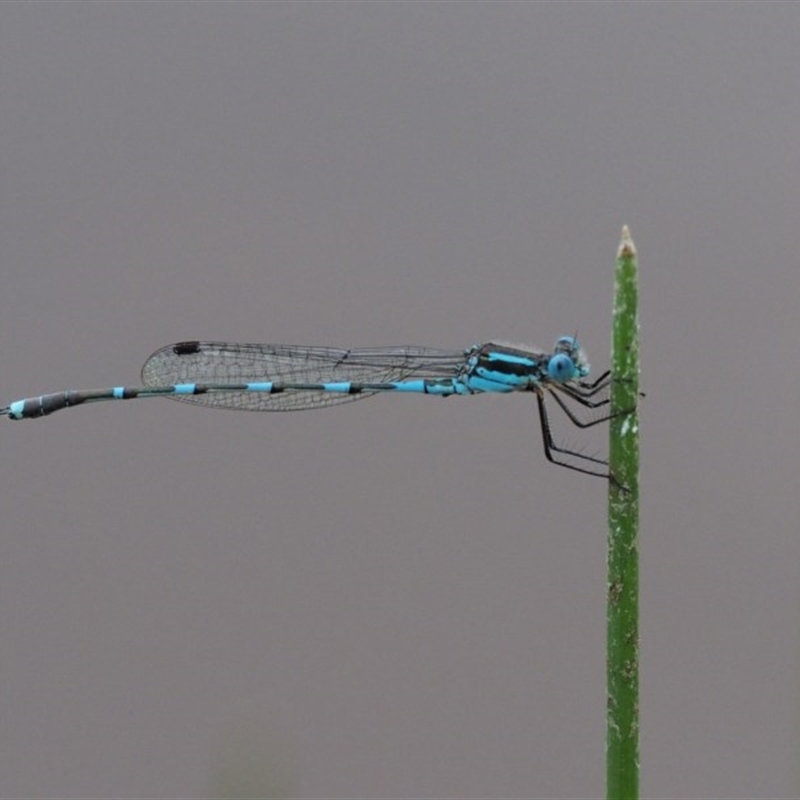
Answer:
(622, 739)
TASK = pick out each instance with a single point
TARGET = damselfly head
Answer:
(568, 346)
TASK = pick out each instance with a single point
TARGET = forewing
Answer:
(222, 362)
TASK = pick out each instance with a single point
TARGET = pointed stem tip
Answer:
(626, 245)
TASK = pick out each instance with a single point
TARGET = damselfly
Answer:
(274, 377)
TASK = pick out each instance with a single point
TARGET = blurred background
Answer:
(400, 597)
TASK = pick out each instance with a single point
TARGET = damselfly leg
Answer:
(564, 456)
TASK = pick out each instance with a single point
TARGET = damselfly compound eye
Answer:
(561, 368)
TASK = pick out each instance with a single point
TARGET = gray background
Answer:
(400, 597)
